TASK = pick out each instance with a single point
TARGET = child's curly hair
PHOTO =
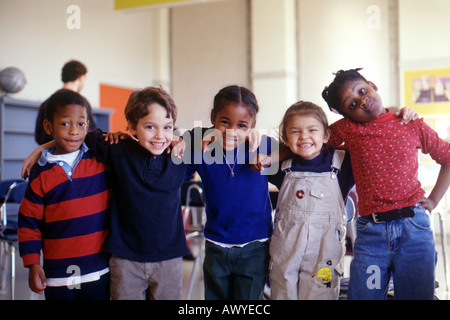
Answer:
(139, 100)
(331, 93)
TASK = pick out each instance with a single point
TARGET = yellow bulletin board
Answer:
(427, 91)
(128, 4)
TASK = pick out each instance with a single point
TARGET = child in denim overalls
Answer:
(308, 242)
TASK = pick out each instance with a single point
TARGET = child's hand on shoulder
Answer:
(407, 114)
(178, 146)
(260, 162)
(209, 138)
(254, 138)
(114, 137)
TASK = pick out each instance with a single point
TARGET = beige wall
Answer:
(336, 35)
(424, 40)
(209, 50)
(282, 49)
(274, 59)
(116, 46)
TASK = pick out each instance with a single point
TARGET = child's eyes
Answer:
(151, 127)
(67, 124)
(240, 126)
(362, 92)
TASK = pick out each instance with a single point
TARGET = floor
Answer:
(23, 292)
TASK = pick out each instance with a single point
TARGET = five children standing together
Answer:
(130, 201)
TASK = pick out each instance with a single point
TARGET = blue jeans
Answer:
(404, 248)
(235, 273)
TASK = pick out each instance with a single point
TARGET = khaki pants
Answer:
(131, 280)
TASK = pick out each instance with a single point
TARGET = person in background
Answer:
(73, 76)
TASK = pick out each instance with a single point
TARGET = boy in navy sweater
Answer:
(147, 239)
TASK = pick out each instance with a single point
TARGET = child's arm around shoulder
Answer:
(100, 143)
(177, 146)
(262, 161)
(31, 160)
(93, 140)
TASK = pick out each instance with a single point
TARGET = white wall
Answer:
(116, 46)
(210, 50)
(210, 47)
(274, 60)
(425, 31)
(336, 35)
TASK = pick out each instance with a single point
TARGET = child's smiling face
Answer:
(234, 122)
(360, 101)
(155, 130)
(306, 136)
(69, 128)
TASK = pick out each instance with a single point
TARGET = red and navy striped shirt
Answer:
(65, 216)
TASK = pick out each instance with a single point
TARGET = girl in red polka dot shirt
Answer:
(393, 231)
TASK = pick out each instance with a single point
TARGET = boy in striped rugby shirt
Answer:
(65, 208)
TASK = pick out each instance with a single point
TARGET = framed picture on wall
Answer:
(427, 91)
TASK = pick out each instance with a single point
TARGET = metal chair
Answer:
(193, 221)
(11, 194)
(441, 213)
(352, 214)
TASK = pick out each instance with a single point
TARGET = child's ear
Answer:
(213, 117)
(48, 127)
(327, 136)
(131, 128)
(373, 85)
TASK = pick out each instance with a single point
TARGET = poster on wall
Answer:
(428, 90)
